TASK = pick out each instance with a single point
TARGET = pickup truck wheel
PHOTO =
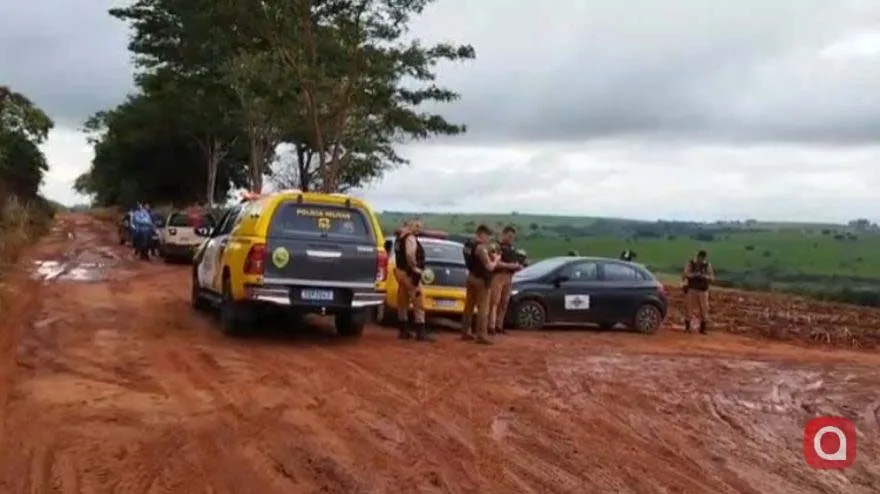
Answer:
(529, 314)
(387, 315)
(350, 324)
(197, 299)
(647, 319)
(234, 318)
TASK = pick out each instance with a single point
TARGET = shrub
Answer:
(20, 224)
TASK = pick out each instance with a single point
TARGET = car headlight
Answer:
(513, 292)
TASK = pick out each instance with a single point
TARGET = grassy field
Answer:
(776, 251)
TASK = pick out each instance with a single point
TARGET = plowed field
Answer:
(110, 383)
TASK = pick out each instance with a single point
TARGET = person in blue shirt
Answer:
(142, 231)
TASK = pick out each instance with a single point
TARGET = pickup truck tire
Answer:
(389, 315)
(197, 297)
(351, 324)
(234, 316)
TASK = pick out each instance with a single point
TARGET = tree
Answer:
(264, 102)
(143, 151)
(180, 49)
(348, 60)
(23, 127)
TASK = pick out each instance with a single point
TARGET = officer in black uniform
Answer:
(480, 264)
(409, 264)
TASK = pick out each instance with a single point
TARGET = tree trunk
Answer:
(257, 160)
(213, 150)
(304, 167)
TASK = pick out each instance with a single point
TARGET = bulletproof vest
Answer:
(400, 259)
(698, 267)
(508, 254)
(474, 265)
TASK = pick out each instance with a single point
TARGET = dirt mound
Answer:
(113, 384)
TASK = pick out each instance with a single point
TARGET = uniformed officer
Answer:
(499, 287)
(698, 274)
(480, 264)
(409, 264)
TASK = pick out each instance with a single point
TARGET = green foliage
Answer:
(23, 127)
(336, 79)
(142, 152)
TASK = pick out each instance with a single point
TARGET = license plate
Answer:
(445, 303)
(323, 295)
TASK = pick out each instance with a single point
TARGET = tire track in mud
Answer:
(121, 388)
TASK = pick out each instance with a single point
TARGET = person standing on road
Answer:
(480, 264)
(499, 287)
(142, 229)
(409, 265)
(699, 275)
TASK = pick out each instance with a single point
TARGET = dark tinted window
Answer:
(228, 221)
(312, 219)
(621, 272)
(443, 252)
(183, 220)
(540, 268)
(581, 271)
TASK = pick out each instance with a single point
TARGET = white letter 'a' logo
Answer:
(840, 454)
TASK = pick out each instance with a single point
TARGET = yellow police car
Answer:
(443, 285)
(306, 252)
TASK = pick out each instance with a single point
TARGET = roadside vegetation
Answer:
(24, 215)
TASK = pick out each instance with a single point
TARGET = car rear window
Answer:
(443, 252)
(183, 220)
(320, 220)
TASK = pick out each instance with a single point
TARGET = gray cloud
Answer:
(688, 69)
(584, 69)
(69, 57)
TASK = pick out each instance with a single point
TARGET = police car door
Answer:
(209, 268)
(576, 296)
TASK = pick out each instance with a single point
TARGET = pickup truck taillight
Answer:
(382, 266)
(256, 257)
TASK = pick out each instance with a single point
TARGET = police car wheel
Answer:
(647, 319)
(386, 315)
(196, 298)
(233, 316)
(530, 314)
(350, 324)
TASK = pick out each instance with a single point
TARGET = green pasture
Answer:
(774, 251)
(785, 253)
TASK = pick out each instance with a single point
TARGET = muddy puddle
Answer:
(85, 266)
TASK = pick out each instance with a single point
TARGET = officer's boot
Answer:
(403, 331)
(422, 333)
(687, 325)
(703, 327)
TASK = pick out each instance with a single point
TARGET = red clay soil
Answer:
(110, 383)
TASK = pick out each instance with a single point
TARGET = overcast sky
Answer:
(637, 108)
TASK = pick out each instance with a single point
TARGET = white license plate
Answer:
(445, 303)
(322, 295)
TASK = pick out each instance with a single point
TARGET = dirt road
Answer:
(109, 383)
